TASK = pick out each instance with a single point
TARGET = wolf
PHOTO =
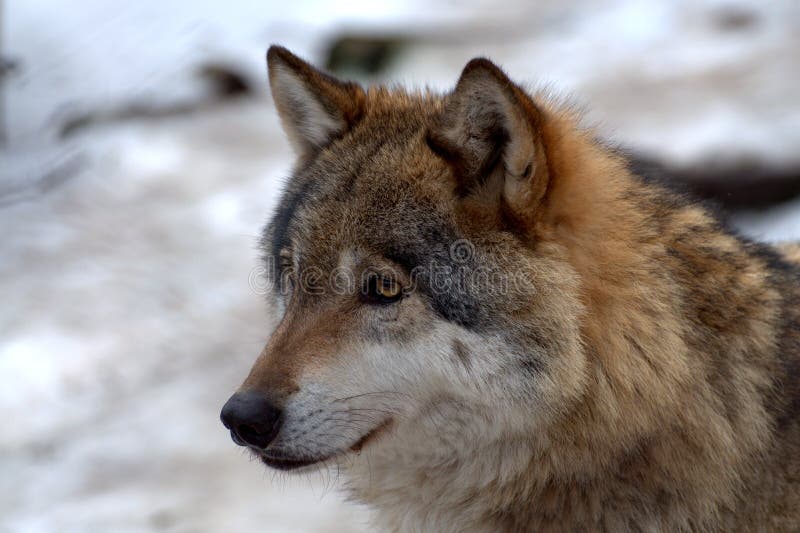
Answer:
(487, 320)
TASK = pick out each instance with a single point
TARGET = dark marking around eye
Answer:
(422, 247)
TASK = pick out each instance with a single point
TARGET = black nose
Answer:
(252, 419)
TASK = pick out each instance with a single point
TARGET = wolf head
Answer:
(513, 326)
(416, 269)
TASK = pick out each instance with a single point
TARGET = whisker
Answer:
(370, 394)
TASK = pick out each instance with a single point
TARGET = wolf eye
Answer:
(383, 290)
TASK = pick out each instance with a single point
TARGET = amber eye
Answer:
(383, 290)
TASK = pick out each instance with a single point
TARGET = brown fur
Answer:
(674, 345)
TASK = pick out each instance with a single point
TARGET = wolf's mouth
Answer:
(287, 463)
(281, 461)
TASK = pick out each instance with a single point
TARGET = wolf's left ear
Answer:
(314, 107)
(490, 126)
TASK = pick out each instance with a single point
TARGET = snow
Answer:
(128, 250)
(780, 224)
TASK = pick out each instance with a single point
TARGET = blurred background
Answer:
(140, 154)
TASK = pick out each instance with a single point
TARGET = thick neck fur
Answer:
(675, 418)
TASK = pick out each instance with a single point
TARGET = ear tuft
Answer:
(314, 107)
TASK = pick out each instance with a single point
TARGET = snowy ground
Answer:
(126, 252)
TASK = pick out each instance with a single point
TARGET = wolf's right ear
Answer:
(490, 128)
(314, 107)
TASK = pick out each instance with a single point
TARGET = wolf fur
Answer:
(641, 373)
